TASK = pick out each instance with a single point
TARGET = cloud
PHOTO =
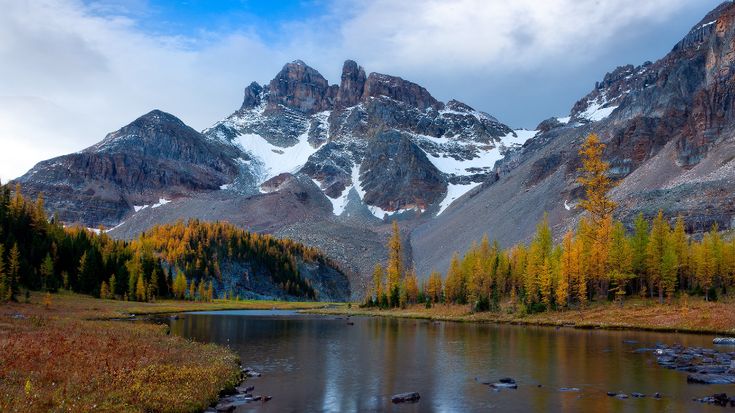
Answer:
(507, 35)
(72, 72)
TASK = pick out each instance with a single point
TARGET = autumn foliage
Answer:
(180, 260)
(600, 260)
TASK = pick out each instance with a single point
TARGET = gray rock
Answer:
(411, 397)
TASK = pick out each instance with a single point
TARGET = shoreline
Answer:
(76, 354)
(567, 319)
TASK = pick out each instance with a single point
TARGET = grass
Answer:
(691, 316)
(73, 357)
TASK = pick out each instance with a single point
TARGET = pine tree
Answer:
(595, 181)
(47, 270)
(681, 249)
(104, 290)
(113, 286)
(192, 290)
(377, 282)
(658, 241)
(395, 264)
(435, 287)
(569, 268)
(180, 285)
(201, 291)
(545, 280)
(210, 292)
(620, 262)
(454, 287)
(706, 264)
(669, 266)
(14, 272)
(4, 278)
(639, 244)
(140, 293)
(412, 287)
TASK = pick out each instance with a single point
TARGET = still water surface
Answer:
(318, 363)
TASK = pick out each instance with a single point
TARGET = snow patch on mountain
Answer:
(161, 202)
(454, 192)
(596, 112)
(273, 160)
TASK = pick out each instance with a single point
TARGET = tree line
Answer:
(599, 260)
(179, 260)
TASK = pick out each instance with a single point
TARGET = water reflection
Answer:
(313, 363)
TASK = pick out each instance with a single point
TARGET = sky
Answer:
(72, 71)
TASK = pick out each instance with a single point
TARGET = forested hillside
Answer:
(601, 260)
(182, 260)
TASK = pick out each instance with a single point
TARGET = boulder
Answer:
(724, 340)
(411, 397)
(505, 383)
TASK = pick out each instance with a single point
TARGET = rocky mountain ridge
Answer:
(669, 127)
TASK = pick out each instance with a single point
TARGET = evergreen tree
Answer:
(47, 270)
(113, 286)
(180, 285)
(140, 293)
(14, 272)
(4, 277)
(104, 290)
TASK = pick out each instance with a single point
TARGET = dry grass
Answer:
(695, 316)
(70, 358)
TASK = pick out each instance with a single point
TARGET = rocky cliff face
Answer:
(338, 136)
(670, 134)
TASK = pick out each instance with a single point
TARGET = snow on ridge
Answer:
(161, 202)
(596, 110)
(707, 24)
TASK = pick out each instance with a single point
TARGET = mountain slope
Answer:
(669, 127)
(155, 157)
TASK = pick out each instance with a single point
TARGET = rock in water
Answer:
(569, 389)
(700, 378)
(411, 397)
(505, 383)
(724, 340)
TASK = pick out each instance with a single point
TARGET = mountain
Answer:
(326, 165)
(330, 165)
(153, 159)
(399, 148)
(669, 127)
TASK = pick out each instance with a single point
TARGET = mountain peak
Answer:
(252, 97)
(352, 85)
(300, 87)
(399, 89)
(157, 116)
